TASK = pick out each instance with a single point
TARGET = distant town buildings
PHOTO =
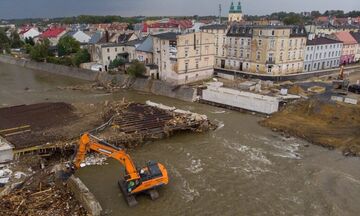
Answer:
(28, 32)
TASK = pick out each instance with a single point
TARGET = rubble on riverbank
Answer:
(329, 124)
(40, 193)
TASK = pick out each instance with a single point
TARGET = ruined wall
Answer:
(84, 196)
(78, 73)
(156, 87)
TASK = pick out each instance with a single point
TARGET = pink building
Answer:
(349, 48)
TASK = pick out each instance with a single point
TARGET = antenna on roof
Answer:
(219, 13)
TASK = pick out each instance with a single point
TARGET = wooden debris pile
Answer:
(41, 194)
(134, 123)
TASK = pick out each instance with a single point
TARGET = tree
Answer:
(136, 69)
(15, 40)
(40, 51)
(293, 19)
(117, 63)
(4, 41)
(30, 41)
(80, 57)
(68, 45)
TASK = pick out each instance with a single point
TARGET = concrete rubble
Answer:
(32, 185)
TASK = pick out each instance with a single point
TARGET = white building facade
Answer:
(322, 53)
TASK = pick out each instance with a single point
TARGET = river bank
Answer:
(239, 169)
(157, 87)
(328, 124)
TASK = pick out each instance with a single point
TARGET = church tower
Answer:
(235, 13)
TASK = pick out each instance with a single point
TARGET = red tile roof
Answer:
(24, 30)
(346, 38)
(52, 32)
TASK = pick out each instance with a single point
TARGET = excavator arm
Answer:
(135, 181)
(89, 142)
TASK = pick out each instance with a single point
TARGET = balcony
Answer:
(270, 61)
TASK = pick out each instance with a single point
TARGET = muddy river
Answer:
(239, 169)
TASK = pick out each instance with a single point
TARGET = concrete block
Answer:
(337, 98)
(351, 101)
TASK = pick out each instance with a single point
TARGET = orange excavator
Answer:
(135, 181)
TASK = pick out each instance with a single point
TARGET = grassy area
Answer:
(331, 125)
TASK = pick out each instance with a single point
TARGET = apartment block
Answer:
(322, 53)
(219, 31)
(274, 50)
(184, 58)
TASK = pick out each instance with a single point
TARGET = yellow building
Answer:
(272, 50)
(184, 58)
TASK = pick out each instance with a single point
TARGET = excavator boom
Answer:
(135, 181)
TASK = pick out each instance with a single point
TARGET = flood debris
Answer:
(329, 124)
(134, 123)
(44, 136)
(40, 194)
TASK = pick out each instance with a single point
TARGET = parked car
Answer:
(354, 88)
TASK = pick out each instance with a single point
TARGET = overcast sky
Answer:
(60, 8)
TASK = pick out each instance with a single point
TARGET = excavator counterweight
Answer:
(145, 180)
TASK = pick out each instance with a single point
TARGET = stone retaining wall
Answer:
(84, 196)
(156, 87)
(290, 77)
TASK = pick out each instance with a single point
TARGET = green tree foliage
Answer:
(4, 41)
(117, 63)
(30, 41)
(293, 19)
(136, 69)
(40, 51)
(68, 45)
(15, 40)
(80, 57)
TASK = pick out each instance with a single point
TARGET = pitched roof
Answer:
(167, 36)
(345, 37)
(24, 30)
(52, 32)
(356, 36)
(95, 37)
(146, 45)
(321, 41)
(214, 26)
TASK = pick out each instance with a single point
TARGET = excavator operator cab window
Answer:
(154, 170)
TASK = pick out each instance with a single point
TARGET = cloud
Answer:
(60, 8)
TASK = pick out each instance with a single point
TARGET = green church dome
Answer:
(235, 10)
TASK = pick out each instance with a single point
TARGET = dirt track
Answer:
(327, 124)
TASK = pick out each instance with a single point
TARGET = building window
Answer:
(282, 44)
(186, 42)
(260, 42)
(272, 32)
(271, 57)
(257, 68)
(242, 41)
(272, 44)
(260, 32)
(186, 66)
(269, 68)
(305, 67)
(290, 43)
(197, 65)
(108, 58)
(258, 55)
(115, 49)
(249, 41)
(281, 56)
(165, 65)
(108, 50)
(186, 53)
